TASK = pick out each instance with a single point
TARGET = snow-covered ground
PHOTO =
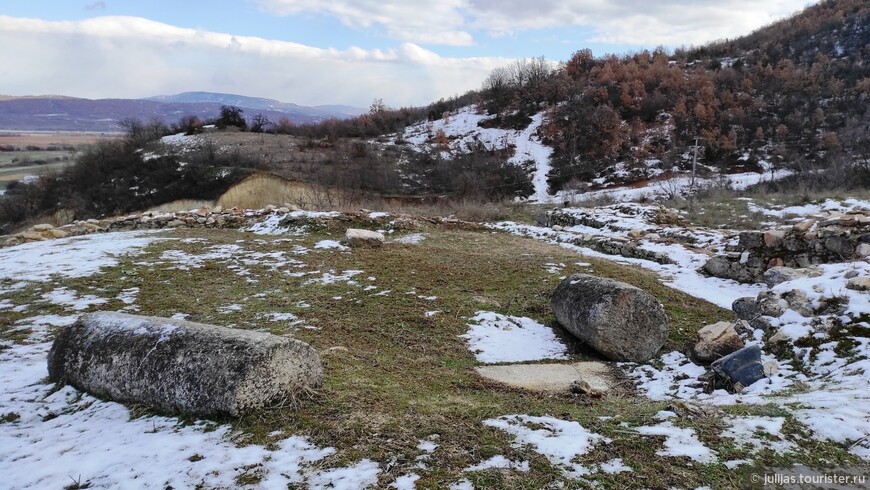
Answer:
(463, 132)
(493, 337)
(682, 275)
(834, 403)
(669, 188)
(54, 438)
(810, 209)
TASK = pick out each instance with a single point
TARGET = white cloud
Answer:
(405, 20)
(136, 57)
(637, 22)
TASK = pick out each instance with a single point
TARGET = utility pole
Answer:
(692, 185)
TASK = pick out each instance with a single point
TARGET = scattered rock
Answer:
(746, 308)
(687, 409)
(55, 233)
(42, 227)
(718, 266)
(557, 228)
(777, 338)
(797, 300)
(363, 238)
(741, 368)
(761, 323)
(863, 250)
(620, 321)
(582, 387)
(770, 304)
(773, 238)
(715, 341)
(858, 283)
(840, 245)
(178, 366)
(779, 275)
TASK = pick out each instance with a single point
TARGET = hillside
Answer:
(792, 96)
(55, 113)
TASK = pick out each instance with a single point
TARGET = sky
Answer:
(313, 52)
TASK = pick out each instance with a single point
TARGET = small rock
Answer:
(779, 275)
(362, 238)
(716, 340)
(770, 304)
(746, 308)
(718, 266)
(557, 228)
(773, 238)
(582, 387)
(684, 408)
(840, 245)
(32, 237)
(797, 300)
(804, 226)
(859, 283)
(175, 223)
(42, 227)
(217, 210)
(761, 323)
(863, 250)
(55, 233)
(851, 274)
(741, 368)
(777, 338)
(775, 262)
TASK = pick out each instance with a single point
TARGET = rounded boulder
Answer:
(620, 321)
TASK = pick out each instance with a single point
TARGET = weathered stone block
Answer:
(620, 321)
(178, 366)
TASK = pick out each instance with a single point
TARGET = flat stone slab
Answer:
(551, 377)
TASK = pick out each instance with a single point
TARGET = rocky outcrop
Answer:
(620, 321)
(234, 218)
(834, 237)
(176, 366)
(607, 219)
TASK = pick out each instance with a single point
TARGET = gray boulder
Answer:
(363, 238)
(618, 320)
(745, 308)
(177, 366)
(718, 266)
(779, 274)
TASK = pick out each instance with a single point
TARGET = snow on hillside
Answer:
(463, 132)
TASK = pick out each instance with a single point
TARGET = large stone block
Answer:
(176, 366)
(618, 320)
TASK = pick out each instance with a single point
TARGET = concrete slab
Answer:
(555, 377)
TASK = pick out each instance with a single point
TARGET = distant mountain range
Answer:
(59, 113)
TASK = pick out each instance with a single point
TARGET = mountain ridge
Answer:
(64, 113)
